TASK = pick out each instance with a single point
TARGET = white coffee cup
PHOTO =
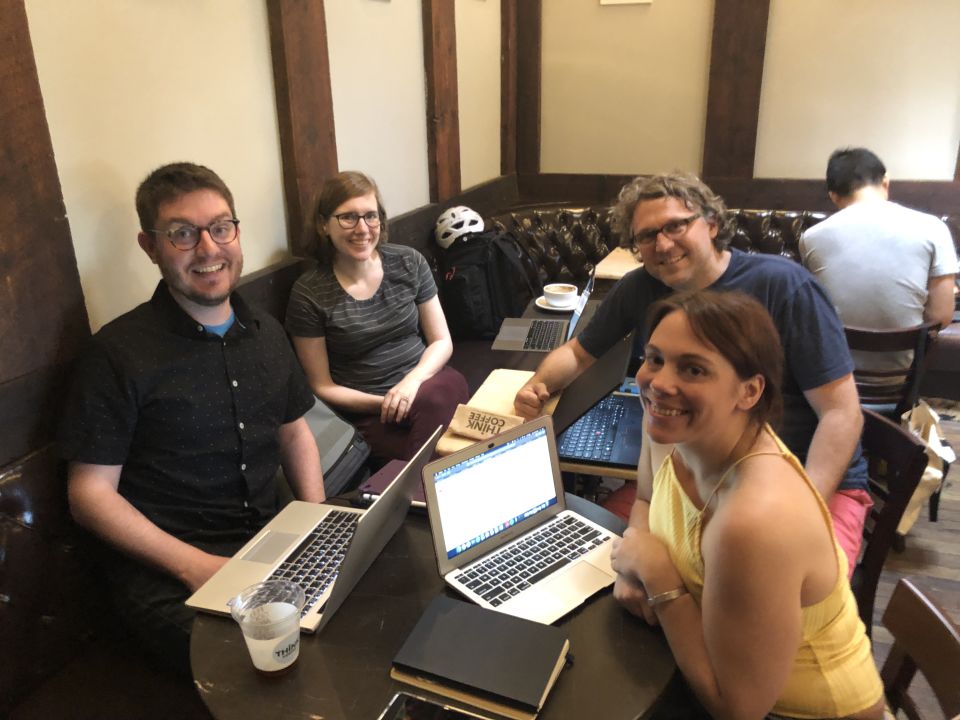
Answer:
(560, 295)
(269, 615)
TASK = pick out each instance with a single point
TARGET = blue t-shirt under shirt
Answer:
(814, 344)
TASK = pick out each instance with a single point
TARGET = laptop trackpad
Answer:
(270, 547)
(582, 579)
(513, 332)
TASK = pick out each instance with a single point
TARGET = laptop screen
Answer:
(575, 318)
(488, 493)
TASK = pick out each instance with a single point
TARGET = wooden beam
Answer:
(308, 143)
(733, 98)
(43, 320)
(508, 87)
(443, 113)
(529, 62)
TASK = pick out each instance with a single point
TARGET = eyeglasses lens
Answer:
(187, 237)
(348, 221)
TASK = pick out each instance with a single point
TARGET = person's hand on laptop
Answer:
(644, 568)
(201, 569)
(530, 400)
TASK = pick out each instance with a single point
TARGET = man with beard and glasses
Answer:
(180, 413)
(680, 229)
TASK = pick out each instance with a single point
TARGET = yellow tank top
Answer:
(833, 674)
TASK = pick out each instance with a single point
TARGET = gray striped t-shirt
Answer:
(371, 344)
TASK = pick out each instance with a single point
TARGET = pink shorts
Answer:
(848, 508)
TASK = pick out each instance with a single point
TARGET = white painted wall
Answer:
(478, 89)
(379, 96)
(129, 86)
(884, 74)
(624, 87)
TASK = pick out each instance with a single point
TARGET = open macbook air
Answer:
(539, 334)
(501, 530)
(326, 549)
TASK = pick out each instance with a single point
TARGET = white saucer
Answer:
(541, 303)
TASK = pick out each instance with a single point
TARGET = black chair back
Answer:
(896, 461)
(890, 392)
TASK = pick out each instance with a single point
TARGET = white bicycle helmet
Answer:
(457, 221)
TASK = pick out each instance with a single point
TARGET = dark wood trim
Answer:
(529, 62)
(443, 113)
(44, 321)
(733, 98)
(938, 197)
(31, 406)
(308, 143)
(570, 187)
(508, 87)
(269, 287)
(956, 173)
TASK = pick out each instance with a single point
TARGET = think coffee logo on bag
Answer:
(480, 424)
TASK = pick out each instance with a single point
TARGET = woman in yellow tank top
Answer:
(732, 549)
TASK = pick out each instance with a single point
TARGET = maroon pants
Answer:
(435, 403)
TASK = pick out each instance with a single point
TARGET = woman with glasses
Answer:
(731, 549)
(367, 324)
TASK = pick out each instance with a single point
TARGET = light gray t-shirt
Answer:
(875, 259)
(371, 344)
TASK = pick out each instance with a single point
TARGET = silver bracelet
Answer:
(667, 596)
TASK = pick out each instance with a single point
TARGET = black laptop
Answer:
(599, 418)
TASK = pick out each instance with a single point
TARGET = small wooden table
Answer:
(620, 668)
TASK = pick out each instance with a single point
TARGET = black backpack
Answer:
(484, 278)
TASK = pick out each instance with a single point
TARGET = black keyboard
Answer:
(592, 436)
(500, 576)
(544, 334)
(315, 563)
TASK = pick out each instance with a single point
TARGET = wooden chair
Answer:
(896, 461)
(924, 639)
(891, 393)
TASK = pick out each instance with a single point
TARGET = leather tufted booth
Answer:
(566, 242)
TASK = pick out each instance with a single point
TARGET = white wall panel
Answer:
(478, 89)
(884, 74)
(379, 95)
(624, 87)
(129, 86)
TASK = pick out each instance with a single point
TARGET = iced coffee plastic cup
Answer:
(269, 615)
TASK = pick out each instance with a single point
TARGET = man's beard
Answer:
(175, 282)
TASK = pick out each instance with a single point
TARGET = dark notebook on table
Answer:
(493, 661)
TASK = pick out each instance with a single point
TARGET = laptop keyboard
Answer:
(592, 436)
(506, 573)
(315, 563)
(543, 335)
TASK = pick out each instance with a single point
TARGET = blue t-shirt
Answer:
(814, 344)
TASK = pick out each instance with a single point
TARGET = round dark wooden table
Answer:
(620, 665)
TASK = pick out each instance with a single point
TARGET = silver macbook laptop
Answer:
(539, 334)
(501, 530)
(326, 549)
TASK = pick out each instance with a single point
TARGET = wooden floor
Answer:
(932, 553)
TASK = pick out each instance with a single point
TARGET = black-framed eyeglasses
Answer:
(673, 230)
(349, 220)
(187, 237)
